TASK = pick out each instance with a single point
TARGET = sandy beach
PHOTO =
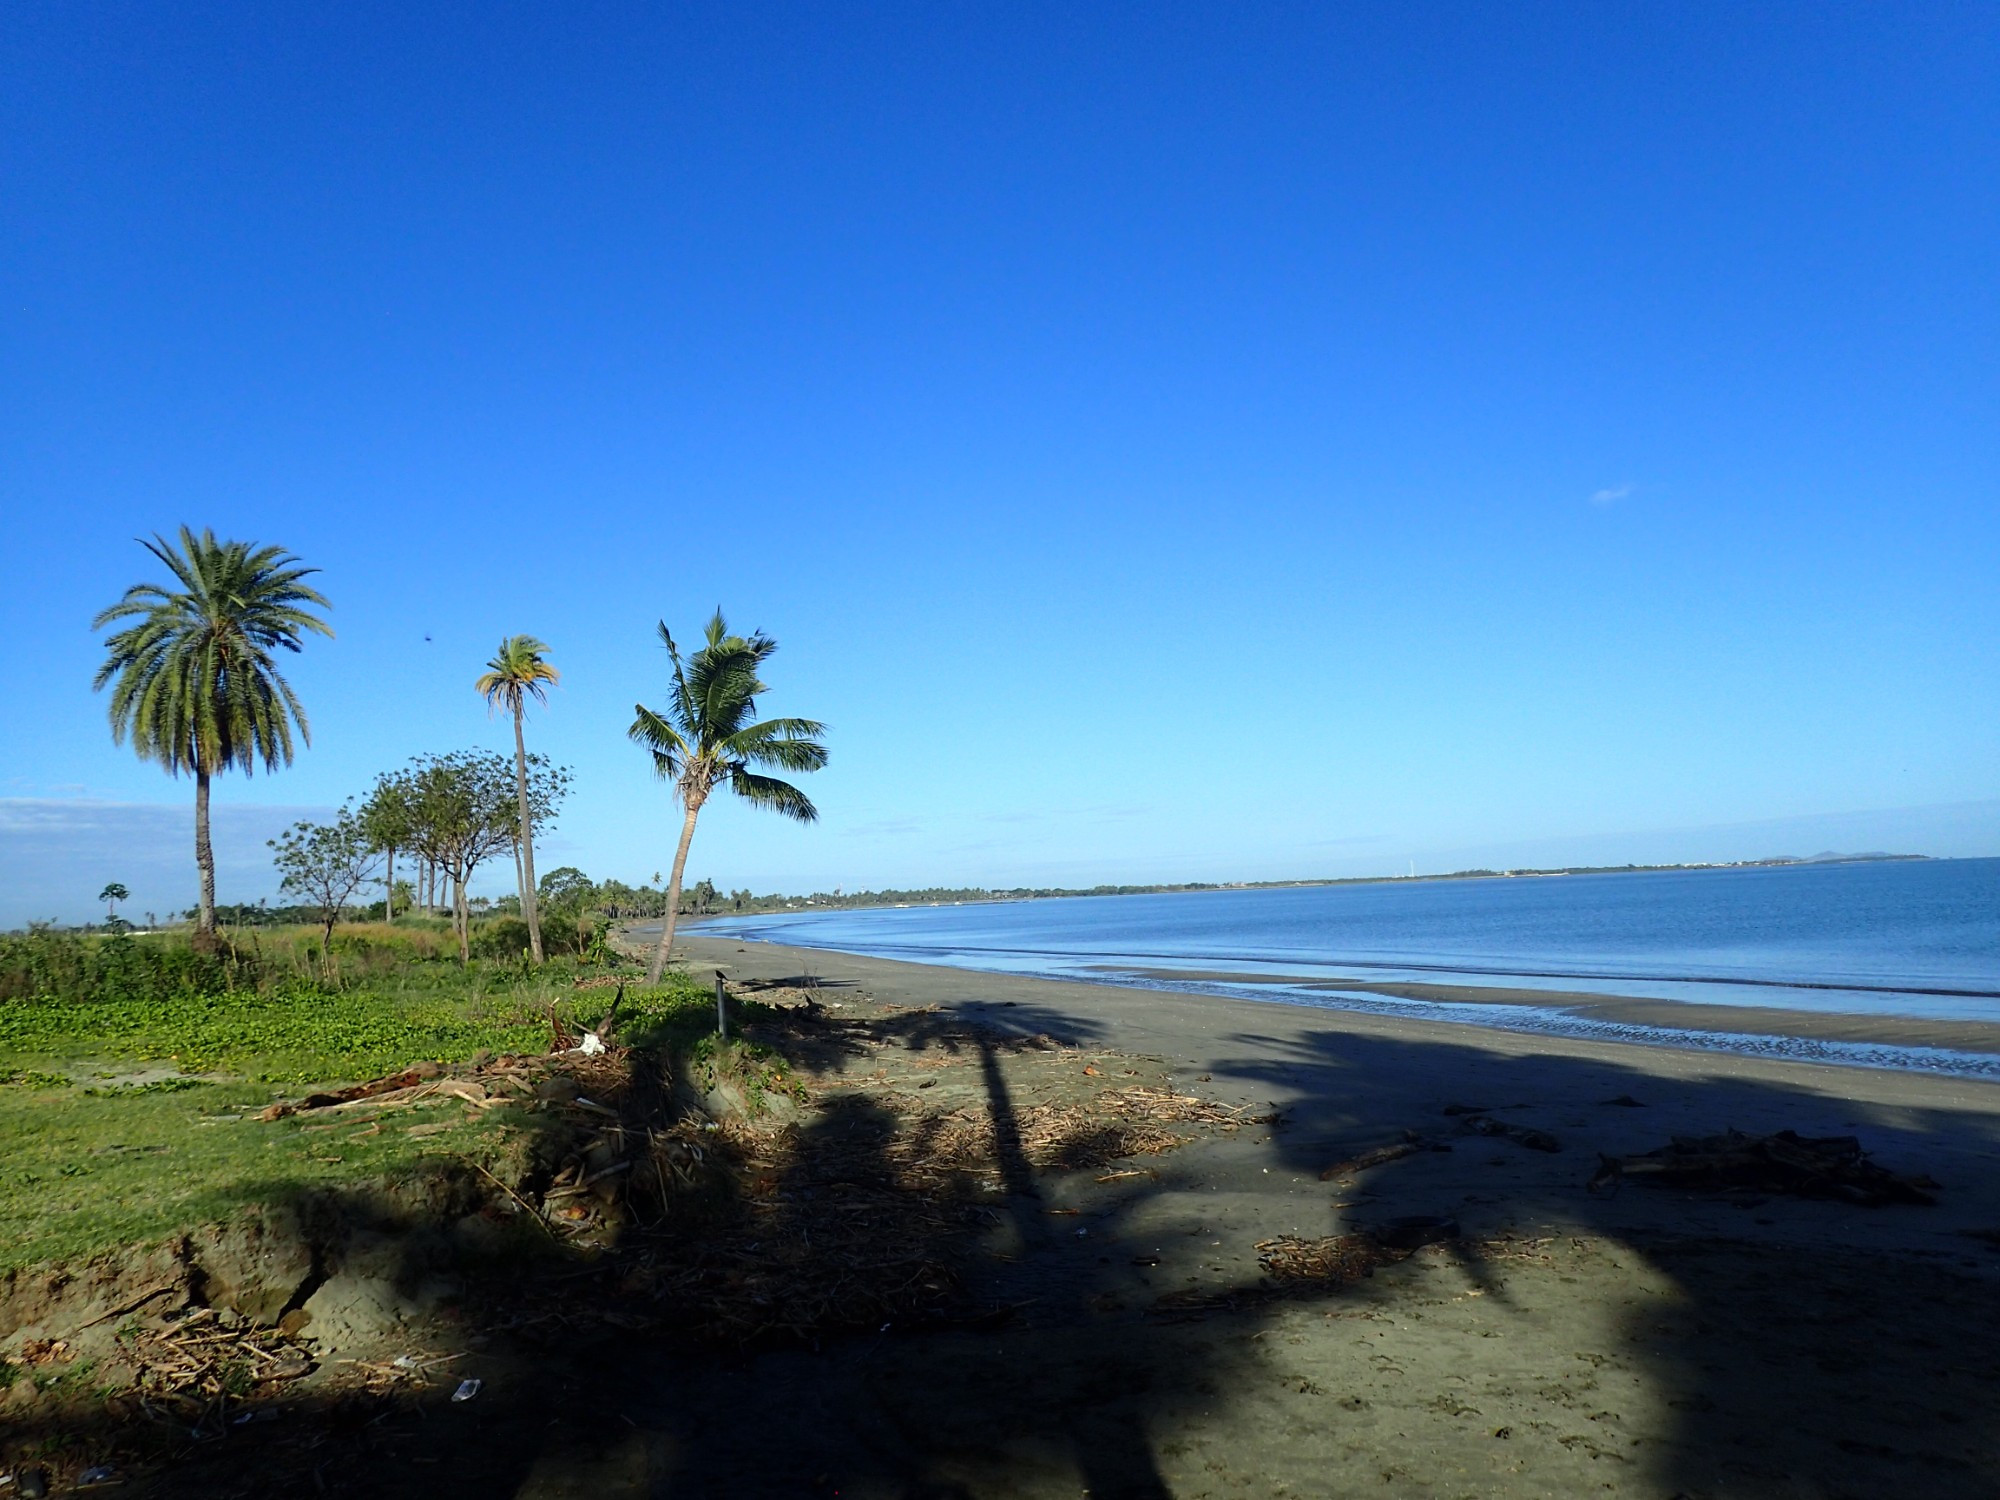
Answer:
(1650, 1343)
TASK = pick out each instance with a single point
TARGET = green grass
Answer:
(87, 1172)
(90, 1163)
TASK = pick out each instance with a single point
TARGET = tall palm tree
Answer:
(708, 735)
(516, 674)
(192, 678)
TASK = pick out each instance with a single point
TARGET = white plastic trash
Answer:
(467, 1389)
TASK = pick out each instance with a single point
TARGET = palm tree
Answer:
(709, 735)
(516, 674)
(192, 679)
(111, 895)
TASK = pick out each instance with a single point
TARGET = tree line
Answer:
(192, 669)
(448, 814)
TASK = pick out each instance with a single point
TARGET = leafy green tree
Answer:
(463, 811)
(322, 865)
(567, 894)
(111, 895)
(385, 819)
(192, 679)
(517, 673)
(708, 736)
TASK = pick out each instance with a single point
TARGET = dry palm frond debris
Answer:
(1293, 1267)
(195, 1367)
(1833, 1167)
(1324, 1264)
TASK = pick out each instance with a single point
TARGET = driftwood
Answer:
(1376, 1156)
(1832, 1167)
(1523, 1135)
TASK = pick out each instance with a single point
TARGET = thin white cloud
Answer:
(1611, 495)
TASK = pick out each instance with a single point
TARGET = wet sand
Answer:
(1627, 1010)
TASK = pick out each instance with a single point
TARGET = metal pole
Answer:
(721, 1016)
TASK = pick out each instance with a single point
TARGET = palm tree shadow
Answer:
(1781, 1346)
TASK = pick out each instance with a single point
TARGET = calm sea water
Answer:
(1906, 938)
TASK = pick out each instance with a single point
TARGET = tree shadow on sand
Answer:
(1768, 1345)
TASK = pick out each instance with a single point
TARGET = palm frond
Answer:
(661, 739)
(789, 744)
(778, 796)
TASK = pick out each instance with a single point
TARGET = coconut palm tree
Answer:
(708, 736)
(516, 674)
(192, 678)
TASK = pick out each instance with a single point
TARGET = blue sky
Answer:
(1169, 441)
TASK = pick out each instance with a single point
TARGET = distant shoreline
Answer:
(980, 896)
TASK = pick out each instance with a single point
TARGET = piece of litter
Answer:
(404, 1362)
(591, 1045)
(102, 1474)
(467, 1389)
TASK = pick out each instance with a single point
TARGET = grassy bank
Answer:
(128, 1067)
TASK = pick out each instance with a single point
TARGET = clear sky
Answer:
(1169, 441)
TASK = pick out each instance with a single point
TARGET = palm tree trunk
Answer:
(527, 840)
(461, 916)
(204, 858)
(389, 887)
(673, 896)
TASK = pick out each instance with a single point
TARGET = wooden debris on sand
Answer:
(1521, 1135)
(193, 1368)
(1377, 1156)
(1833, 1167)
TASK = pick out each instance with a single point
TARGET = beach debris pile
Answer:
(1114, 1125)
(201, 1367)
(1829, 1167)
(1295, 1266)
(413, 1084)
(1326, 1264)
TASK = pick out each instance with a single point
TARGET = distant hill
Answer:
(1828, 857)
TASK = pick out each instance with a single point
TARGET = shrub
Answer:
(505, 938)
(41, 964)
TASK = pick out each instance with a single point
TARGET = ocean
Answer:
(1906, 938)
